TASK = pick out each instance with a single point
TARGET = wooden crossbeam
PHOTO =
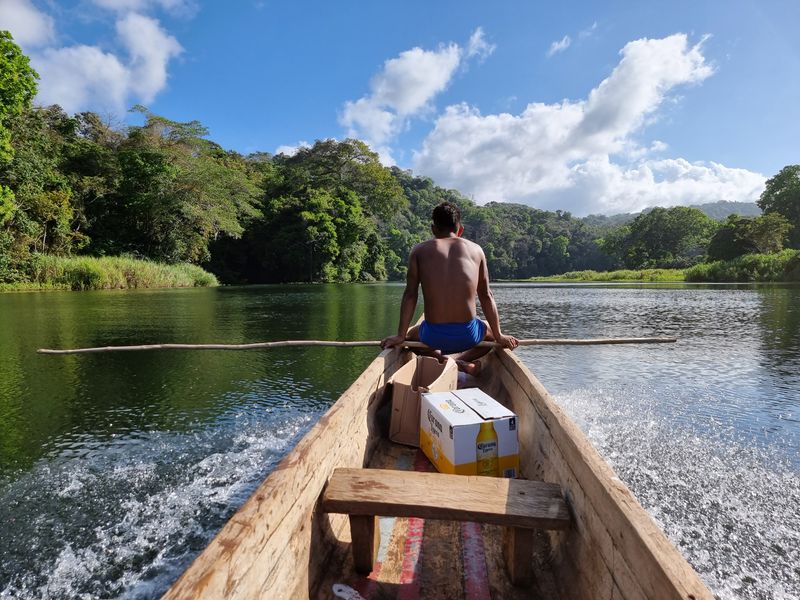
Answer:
(519, 505)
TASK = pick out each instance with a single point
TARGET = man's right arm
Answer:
(490, 308)
(408, 304)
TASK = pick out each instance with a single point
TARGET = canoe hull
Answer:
(281, 545)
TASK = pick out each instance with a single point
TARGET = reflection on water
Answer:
(116, 469)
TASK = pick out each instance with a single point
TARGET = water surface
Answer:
(116, 469)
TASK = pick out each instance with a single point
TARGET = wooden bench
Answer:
(521, 506)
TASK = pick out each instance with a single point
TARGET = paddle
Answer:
(407, 344)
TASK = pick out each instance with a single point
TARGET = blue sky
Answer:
(589, 107)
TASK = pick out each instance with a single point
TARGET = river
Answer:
(116, 469)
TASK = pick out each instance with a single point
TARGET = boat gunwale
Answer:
(636, 536)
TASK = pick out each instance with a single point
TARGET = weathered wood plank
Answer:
(519, 555)
(366, 536)
(661, 572)
(271, 535)
(496, 500)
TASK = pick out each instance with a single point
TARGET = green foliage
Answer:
(782, 195)
(663, 237)
(781, 266)
(739, 235)
(17, 89)
(92, 273)
(649, 275)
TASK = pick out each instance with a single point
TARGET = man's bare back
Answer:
(449, 270)
(452, 272)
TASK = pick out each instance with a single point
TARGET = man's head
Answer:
(447, 219)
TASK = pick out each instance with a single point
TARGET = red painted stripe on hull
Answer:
(476, 577)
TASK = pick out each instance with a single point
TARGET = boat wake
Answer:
(124, 516)
(730, 507)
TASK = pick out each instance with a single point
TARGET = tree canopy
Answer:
(782, 195)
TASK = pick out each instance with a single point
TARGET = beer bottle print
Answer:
(486, 450)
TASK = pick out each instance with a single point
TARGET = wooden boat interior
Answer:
(281, 544)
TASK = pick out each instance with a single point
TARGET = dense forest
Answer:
(80, 185)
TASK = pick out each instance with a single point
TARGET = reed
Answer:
(779, 267)
(650, 275)
(45, 272)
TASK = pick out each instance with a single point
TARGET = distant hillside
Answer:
(718, 211)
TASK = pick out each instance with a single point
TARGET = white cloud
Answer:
(559, 46)
(173, 6)
(478, 46)
(83, 77)
(292, 150)
(29, 26)
(562, 156)
(404, 88)
(150, 50)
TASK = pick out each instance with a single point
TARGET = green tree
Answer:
(17, 88)
(782, 195)
(176, 193)
(662, 238)
(741, 235)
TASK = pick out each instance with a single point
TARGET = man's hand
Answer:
(508, 341)
(392, 341)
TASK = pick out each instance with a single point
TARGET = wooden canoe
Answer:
(280, 544)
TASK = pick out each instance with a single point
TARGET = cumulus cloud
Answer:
(29, 26)
(150, 49)
(404, 88)
(582, 155)
(559, 46)
(83, 77)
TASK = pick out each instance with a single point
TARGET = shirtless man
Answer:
(452, 272)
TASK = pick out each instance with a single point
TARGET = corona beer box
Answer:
(467, 432)
(423, 374)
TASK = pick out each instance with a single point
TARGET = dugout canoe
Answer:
(280, 544)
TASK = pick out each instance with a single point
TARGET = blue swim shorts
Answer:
(452, 337)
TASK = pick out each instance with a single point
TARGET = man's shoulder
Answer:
(474, 246)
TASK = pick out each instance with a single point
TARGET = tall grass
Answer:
(109, 272)
(650, 275)
(781, 266)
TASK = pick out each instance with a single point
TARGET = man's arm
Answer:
(490, 308)
(408, 304)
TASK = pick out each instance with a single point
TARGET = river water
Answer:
(117, 469)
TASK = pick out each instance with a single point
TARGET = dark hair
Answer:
(447, 217)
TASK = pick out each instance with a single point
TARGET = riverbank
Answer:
(649, 275)
(46, 272)
(780, 267)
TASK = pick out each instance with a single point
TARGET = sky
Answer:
(589, 107)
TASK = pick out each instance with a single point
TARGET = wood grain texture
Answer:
(264, 551)
(496, 500)
(519, 555)
(366, 535)
(612, 531)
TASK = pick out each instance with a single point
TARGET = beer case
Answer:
(452, 438)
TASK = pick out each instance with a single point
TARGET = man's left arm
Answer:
(490, 308)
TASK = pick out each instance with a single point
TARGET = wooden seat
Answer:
(520, 505)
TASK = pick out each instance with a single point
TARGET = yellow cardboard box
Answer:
(422, 374)
(467, 432)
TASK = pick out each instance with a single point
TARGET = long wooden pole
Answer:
(407, 344)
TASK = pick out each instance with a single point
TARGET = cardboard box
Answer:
(423, 374)
(467, 432)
